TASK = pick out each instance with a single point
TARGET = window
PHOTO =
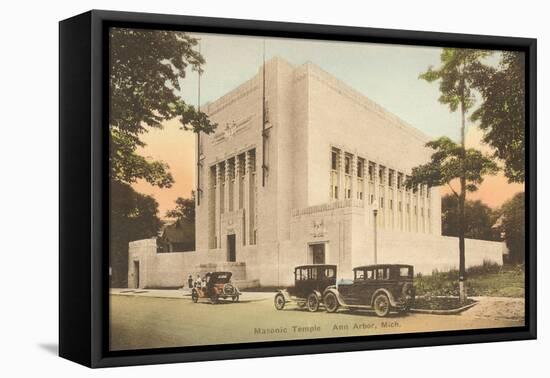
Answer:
(391, 176)
(360, 167)
(381, 174)
(347, 178)
(312, 273)
(382, 273)
(329, 273)
(400, 206)
(405, 271)
(381, 202)
(391, 204)
(399, 181)
(427, 191)
(372, 198)
(371, 171)
(334, 174)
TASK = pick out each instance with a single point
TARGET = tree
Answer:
(455, 87)
(184, 210)
(501, 114)
(146, 67)
(133, 216)
(145, 70)
(479, 221)
(513, 225)
(181, 234)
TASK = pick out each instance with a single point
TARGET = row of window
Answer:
(222, 180)
(386, 176)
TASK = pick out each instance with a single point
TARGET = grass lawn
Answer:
(486, 280)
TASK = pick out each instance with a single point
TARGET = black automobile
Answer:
(218, 286)
(382, 288)
(310, 283)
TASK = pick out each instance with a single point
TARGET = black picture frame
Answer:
(83, 196)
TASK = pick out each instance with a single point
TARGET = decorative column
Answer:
(246, 199)
(353, 183)
(341, 175)
(218, 203)
(376, 202)
(395, 201)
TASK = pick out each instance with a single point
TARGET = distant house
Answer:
(177, 237)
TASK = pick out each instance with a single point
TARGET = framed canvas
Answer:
(235, 188)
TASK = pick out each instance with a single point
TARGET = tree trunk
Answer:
(461, 241)
(461, 213)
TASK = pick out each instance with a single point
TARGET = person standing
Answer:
(190, 281)
(198, 281)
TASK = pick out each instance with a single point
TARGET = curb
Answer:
(184, 296)
(453, 311)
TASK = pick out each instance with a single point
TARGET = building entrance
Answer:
(231, 248)
(317, 253)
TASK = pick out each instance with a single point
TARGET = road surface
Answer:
(145, 320)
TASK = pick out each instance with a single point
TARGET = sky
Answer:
(387, 74)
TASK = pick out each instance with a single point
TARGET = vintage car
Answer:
(382, 288)
(310, 282)
(218, 286)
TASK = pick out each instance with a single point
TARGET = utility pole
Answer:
(199, 160)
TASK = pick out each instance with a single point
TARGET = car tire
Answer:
(331, 302)
(312, 302)
(194, 296)
(381, 305)
(279, 301)
(235, 298)
(214, 299)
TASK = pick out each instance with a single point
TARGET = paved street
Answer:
(160, 318)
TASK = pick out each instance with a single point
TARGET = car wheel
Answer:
(280, 301)
(381, 305)
(331, 302)
(235, 298)
(194, 296)
(214, 299)
(312, 302)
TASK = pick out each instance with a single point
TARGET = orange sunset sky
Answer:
(177, 148)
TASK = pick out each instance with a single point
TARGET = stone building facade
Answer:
(297, 169)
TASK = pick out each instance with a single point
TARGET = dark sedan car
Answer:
(310, 283)
(383, 288)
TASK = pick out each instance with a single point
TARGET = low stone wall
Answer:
(431, 252)
(273, 265)
(164, 270)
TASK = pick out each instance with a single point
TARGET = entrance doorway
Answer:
(136, 274)
(231, 248)
(317, 253)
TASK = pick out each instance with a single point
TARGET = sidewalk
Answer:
(185, 294)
